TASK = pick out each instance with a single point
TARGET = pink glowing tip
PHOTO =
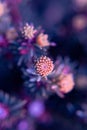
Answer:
(66, 69)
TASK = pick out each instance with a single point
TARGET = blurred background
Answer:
(65, 21)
